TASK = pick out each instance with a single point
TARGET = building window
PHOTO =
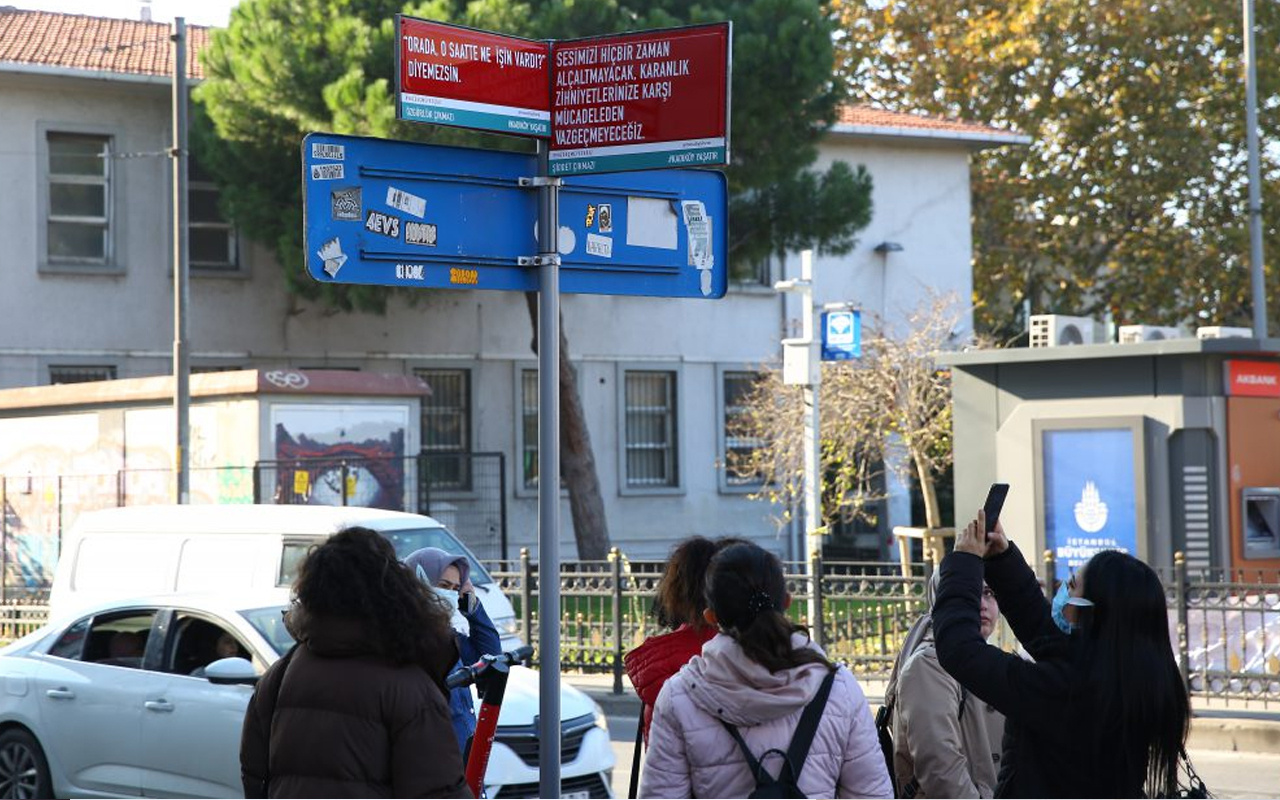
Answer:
(736, 388)
(529, 428)
(650, 435)
(78, 218)
(81, 374)
(446, 427)
(211, 238)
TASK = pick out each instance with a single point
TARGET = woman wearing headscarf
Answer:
(449, 576)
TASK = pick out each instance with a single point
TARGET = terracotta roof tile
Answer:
(100, 44)
(867, 116)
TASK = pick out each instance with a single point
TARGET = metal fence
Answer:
(465, 491)
(1225, 625)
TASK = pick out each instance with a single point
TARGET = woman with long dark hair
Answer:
(1103, 710)
(358, 708)
(747, 692)
(681, 598)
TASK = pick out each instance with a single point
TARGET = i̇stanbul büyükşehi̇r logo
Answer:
(1091, 512)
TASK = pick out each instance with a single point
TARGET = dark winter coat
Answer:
(1051, 727)
(348, 723)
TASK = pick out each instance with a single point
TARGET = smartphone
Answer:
(995, 501)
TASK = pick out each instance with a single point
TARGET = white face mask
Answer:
(458, 621)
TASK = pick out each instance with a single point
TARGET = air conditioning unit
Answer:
(1129, 334)
(1055, 330)
(1223, 332)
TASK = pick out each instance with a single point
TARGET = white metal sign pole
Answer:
(812, 436)
(548, 478)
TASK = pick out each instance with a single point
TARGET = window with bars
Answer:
(736, 387)
(81, 374)
(211, 238)
(529, 428)
(650, 429)
(78, 215)
(446, 427)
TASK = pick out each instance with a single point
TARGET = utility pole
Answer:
(1255, 180)
(802, 366)
(181, 267)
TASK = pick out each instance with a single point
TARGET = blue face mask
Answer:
(1060, 601)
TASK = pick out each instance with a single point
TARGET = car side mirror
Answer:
(231, 670)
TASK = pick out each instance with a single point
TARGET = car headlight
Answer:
(601, 720)
(507, 626)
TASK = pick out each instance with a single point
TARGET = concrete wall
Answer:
(125, 318)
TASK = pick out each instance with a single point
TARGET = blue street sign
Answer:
(394, 213)
(841, 335)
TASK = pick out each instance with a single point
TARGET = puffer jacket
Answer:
(692, 755)
(938, 750)
(345, 722)
(652, 664)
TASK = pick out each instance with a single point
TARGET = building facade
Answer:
(86, 217)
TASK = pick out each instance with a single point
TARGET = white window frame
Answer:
(679, 462)
(113, 257)
(726, 485)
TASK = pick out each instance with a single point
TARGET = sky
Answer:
(214, 13)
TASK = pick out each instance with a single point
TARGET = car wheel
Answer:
(23, 770)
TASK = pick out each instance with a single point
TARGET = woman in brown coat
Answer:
(358, 708)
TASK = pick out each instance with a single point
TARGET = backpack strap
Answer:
(964, 695)
(802, 739)
(633, 791)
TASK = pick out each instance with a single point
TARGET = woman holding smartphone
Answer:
(1103, 711)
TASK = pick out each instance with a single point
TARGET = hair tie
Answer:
(760, 601)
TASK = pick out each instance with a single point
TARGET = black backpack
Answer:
(787, 782)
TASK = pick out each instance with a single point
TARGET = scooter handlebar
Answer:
(465, 676)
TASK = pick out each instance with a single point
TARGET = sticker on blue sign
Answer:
(333, 152)
(345, 204)
(331, 254)
(410, 204)
(327, 172)
(598, 245)
(422, 234)
(383, 224)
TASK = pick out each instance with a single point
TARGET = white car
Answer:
(105, 704)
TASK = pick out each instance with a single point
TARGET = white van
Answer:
(124, 552)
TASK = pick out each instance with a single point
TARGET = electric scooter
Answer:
(490, 676)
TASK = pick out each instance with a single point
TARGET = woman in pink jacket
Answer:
(757, 675)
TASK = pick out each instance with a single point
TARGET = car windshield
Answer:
(269, 622)
(405, 541)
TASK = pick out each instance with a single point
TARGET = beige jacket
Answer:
(942, 752)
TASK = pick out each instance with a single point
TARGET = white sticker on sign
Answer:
(598, 245)
(326, 172)
(698, 226)
(408, 203)
(333, 152)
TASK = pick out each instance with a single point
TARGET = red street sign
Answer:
(450, 75)
(1253, 378)
(645, 100)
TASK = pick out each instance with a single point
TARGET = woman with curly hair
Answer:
(359, 707)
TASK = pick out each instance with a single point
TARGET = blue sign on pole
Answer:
(841, 335)
(404, 214)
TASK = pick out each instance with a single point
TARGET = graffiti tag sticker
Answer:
(422, 234)
(383, 224)
(326, 172)
(591, 216)
(598, 245)
(346, 203)
(606, 218)
(410, 204)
